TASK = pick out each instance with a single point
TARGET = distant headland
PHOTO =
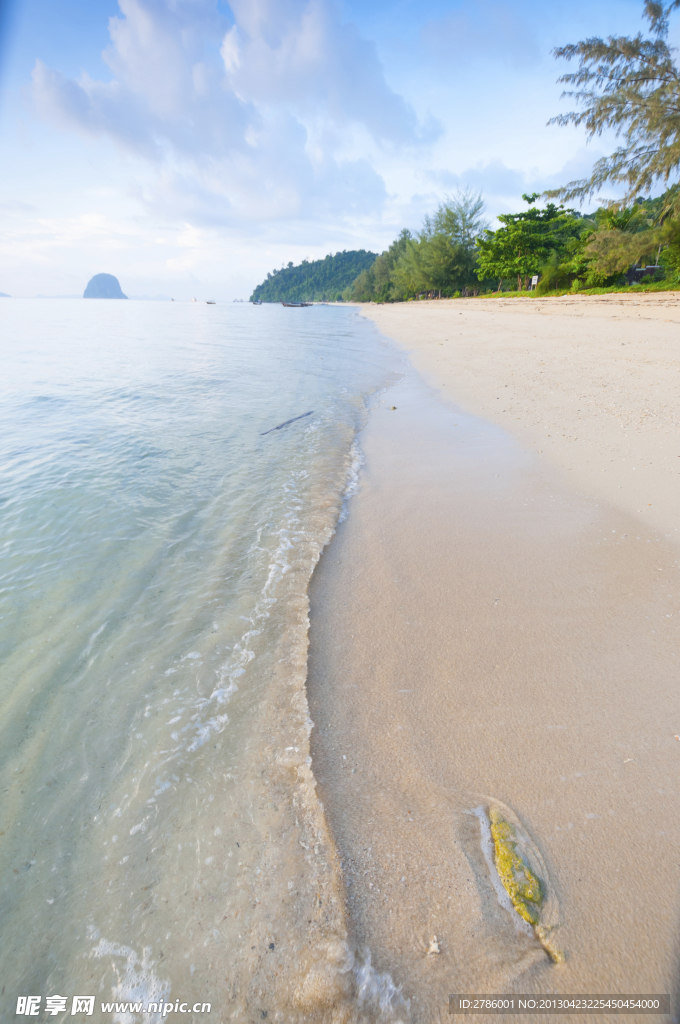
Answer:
(315, 281)
(103, 286)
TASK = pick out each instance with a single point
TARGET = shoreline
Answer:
(485, 635)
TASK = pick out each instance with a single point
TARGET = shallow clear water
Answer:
(161, 837)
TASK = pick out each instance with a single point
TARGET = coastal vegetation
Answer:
(441, 258)
(314, 280)
(375, 283)
(455, 253)
(528, 240)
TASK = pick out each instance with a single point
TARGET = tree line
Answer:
(456, 253)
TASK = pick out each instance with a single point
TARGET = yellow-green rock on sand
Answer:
(521, 884)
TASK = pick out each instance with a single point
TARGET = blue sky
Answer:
(189, 146)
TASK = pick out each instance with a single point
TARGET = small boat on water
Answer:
(210, 302)
(257, 302)
(296, 304)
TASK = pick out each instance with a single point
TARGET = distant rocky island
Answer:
(103, 286)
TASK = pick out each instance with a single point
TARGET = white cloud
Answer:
(273, 116)
(299, 53)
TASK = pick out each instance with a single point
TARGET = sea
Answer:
(170, 475)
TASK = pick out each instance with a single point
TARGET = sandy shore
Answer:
(495, 630)
(592, 384)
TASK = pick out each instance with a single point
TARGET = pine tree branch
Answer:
(630, 86)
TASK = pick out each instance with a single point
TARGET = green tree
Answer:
(374, 283)
(447, 265)
(449, 242)
(631, 86)
(408, 276)
(613, 239)
(439, 257)
(670, 254)
(460, 218)
(624, 237)
(443, 255)
(611, 251)
(385, 264)
(526, 241)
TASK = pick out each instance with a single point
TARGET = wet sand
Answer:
(486, 635)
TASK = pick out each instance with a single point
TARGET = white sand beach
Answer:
(590, 383)
(494, 629)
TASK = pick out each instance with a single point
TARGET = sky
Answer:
(191, 146)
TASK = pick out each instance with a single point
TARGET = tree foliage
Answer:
(375, 283)
(526, 241)
(316, 280)
(611, 251)
(614, 239)
(441, 257)
(448, 242)
(455, 250)
(631, 86)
